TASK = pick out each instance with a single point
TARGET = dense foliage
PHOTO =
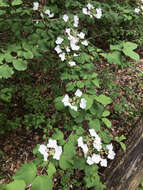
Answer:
(49, 56)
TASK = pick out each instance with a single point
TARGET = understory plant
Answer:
(60, 37)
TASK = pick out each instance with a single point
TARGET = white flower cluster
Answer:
(97, 144)
(36, 7)
(75, 38)
(52, 145)
(90, 11)
(68, 102)
(139, 9)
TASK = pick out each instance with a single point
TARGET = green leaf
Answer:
(51, 169)
(95, 124)
(20, 64)
(103, 99)
(73, 113)
(16, 2)
(96, 82)
(105, 136)
(79, 163)
(107, 122)
(69, 152)
(130, 45)
(113, 58)
(28, 55)
(116, 47)
(105, 113)
(123, 146)
(27, 172)
(5, 71)
(43, 182)
(131, 54)
(16, 184)
(59, 104)
(58, 135)
(3, 3)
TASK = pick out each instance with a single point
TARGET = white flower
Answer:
(109, 147)
(58, 152)
(68, 49)
(65, 18)
(85, 149)
(75, 55)
(59, 40)
(42, 149)
(65, 100)
(41, 14)
(99, 13)
(92, 132)
(52, 143)
(97, 143)
(80, 142)
(76, 21)
(68, 30)
(96, 158)
(83, 103)
(81, 35)
(73, 107)
(35, 6)
(78, 93)
(49, 13)
(58, 49)
(90, 6)
(111, 155)
(137, 10)
(85, 43)
(62, 56)
(103, 162)
(85, 11)
(72, 63)
(74, 47)
(142, 7)
(89, 160)
(83, 146)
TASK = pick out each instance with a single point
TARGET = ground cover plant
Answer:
(60, 65)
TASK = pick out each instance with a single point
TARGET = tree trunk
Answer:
(126, 171)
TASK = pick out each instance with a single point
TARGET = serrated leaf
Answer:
(105, 100)
(6, 71)
(20, 65)
(42, 182)
(105, 113)
(107, 122)
(16, 184)
(16, 2)
(51, 169)
(27, 172)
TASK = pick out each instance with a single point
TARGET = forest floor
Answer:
(16, 147)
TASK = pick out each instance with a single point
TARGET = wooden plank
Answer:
(126, 171)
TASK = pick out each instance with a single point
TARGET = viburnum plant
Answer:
(84, 141)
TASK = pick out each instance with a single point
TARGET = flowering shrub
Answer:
(60, 35)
